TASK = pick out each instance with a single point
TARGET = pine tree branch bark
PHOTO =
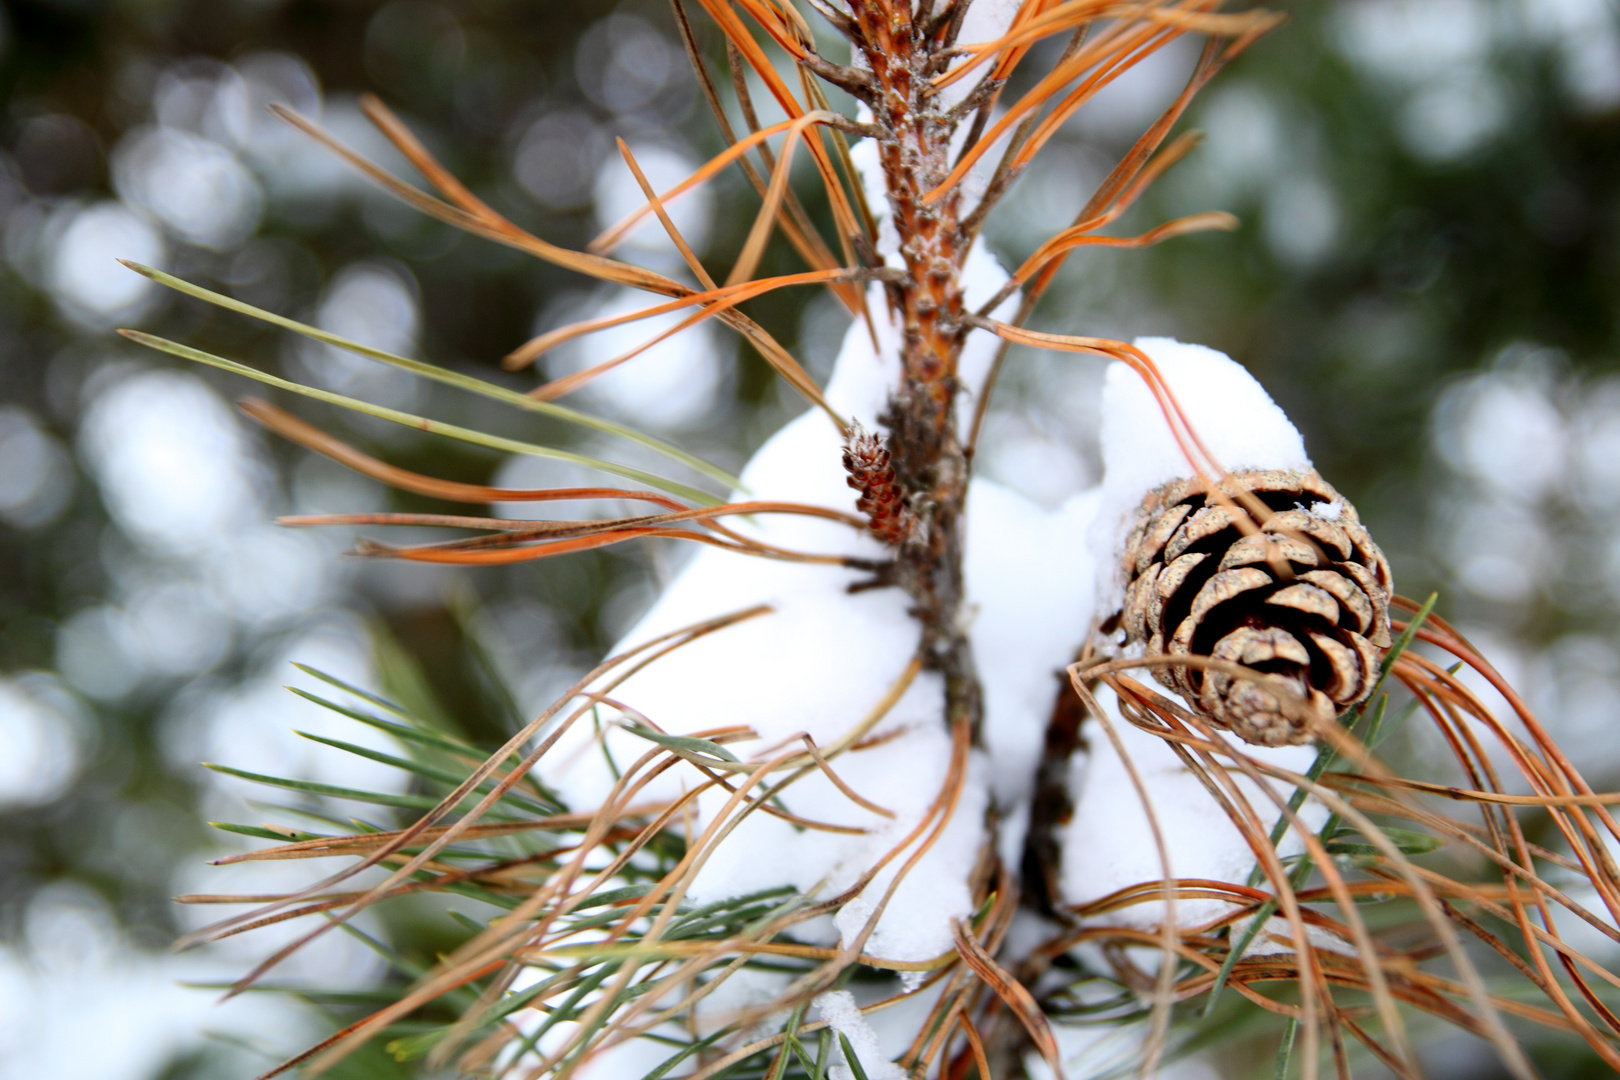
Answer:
(929, 460)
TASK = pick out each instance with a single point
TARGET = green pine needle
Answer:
(441, 375)
(421, 423)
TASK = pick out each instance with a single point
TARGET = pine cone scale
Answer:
(1278, 577)
(1200, 526)
(1308, 599)
(1253, 646)
(1268, 547)
(1377, 594)
(1348, 671)
(1218, 590)
(1153, 540)
(1357, 610)
(1323, 532)
(1176, 584)
(1139, 598)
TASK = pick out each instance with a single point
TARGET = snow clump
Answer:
(1108, 844)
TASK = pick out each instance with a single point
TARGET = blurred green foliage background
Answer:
(1427, 279)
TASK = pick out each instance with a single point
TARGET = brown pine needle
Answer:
(1013, 994)
(664, 219)
(582, 262)
(728, 296)
(293, 429)
(1081, 236)
(615, 234)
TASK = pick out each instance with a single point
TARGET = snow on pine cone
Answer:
(1278, 576)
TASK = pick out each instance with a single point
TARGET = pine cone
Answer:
(1299, 594)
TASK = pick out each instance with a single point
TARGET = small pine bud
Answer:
(871, 473)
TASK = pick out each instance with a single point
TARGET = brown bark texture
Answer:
(929, 462)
